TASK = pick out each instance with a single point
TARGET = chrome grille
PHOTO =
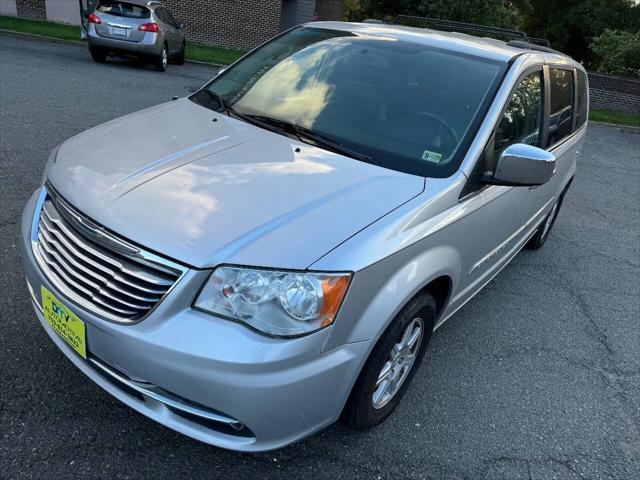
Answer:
(103, 273)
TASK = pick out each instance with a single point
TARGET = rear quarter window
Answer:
(583, 102)
(123, 9)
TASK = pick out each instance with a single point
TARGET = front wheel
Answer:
(541, 235)
(392, 364)
(162, 60)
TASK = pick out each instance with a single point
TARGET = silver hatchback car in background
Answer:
(251, 263)
(145, 29)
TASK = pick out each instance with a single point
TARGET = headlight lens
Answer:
(279, 303)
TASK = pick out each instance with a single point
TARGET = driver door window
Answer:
(520, 122)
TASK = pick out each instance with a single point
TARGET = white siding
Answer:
(8, 7)
(63, 11)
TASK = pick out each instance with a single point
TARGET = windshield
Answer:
(400, 105)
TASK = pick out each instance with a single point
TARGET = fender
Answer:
(376, 295)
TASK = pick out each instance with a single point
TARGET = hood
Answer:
(204, 189)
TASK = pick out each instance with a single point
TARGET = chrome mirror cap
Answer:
(522, 164)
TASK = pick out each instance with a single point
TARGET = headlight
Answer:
(279, 303)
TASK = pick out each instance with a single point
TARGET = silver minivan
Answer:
(142, 28)
(271, 254)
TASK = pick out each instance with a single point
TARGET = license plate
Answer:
(64, 322)
(119, 31)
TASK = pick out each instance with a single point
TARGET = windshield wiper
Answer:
(274, 124)
(217, 98)
(305, 134)
(223, 107)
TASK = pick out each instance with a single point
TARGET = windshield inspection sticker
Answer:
(433, 157)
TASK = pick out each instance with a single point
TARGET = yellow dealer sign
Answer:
(64, 321)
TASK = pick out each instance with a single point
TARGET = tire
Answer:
(162, 60)
(181, 55)
(98, 55)
(541, 235)
(366, 407)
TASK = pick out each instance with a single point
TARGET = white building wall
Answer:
(63, 11)
(8, 7)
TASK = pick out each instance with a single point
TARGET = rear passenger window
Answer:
(521, 120)
(583, 106)
(170, 19)
(160, 14)
(561, 99)
(123, 9)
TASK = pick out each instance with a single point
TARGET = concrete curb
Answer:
(84, 43)
(629, 128)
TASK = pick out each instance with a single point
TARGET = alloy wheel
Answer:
(165, 57)
(401, 359)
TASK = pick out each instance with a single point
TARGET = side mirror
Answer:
(524, 165)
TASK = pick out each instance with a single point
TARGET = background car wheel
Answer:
(544, 229)
(162, 60)
(392, 364)
(98, 55)
(181, 55)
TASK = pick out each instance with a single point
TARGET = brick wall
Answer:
(330, 9)
(35, 9)
(610, 92)
(241, 24)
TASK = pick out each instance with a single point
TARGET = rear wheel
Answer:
(392, 364)
(162, 60)
(181, 54)
(98, 55)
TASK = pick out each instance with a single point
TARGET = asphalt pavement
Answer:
(538, 377)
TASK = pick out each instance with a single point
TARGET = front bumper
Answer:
(280, 390)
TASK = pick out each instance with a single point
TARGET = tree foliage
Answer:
(617, 52)
(498, 13)
(571, 25)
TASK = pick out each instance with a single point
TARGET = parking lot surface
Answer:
(538, 377)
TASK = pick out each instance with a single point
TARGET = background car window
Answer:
(170, 19)
(521, 120)
(583, 107)
(561, 98)
(123, 9)
(161, 14)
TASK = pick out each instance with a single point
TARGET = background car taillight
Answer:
(149, 27)
(93, 18)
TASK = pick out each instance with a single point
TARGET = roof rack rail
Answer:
(542, 42)
(464, 27)
(532, 46)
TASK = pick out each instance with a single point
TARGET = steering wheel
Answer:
(445, 126)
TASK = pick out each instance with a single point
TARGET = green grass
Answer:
(219, 55)
(48, 29)
(618, 118)
(203, 53)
